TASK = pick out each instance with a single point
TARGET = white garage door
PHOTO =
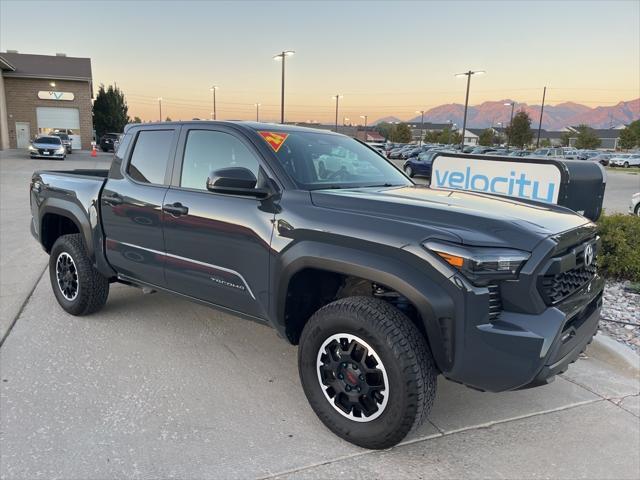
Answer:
(57, 118)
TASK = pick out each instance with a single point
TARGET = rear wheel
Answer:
(367, 371)
(626, 164)
(79, 288)
(637, 210)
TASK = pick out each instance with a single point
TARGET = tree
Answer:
(565, 139)
(586, 137)
(519, 132)
(630, 136)
(110, 110)
(136, 120)
(545, 142)
(448, 136)
(168, 119)
(486, 137)
(386, 129)
(432, 136)
(402, 133)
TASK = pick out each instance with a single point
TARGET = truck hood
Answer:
(476, 219)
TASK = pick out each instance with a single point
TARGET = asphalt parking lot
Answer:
(153, 386)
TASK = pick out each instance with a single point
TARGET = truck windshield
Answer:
(320, 160)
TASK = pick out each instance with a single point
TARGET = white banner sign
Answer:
(45, 95)
(518, 179)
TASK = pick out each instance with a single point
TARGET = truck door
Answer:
(217, 245)
(131, 204)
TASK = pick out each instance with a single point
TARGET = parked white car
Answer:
(626, 161)
(634, 204)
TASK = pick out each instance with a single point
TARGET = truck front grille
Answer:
(495, 302)
(555, 288)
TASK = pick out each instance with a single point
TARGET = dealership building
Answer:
(42, 94)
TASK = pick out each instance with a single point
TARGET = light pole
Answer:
(257, 105)
(544, 94)
(337, 97)
(421, 112)
(513, 106)
(160, 106)
(466, 100)
(366, 117)
(213, 89)
(281, 56)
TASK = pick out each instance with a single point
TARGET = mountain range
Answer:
(555, 117)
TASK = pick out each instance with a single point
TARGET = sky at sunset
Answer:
(386, 58)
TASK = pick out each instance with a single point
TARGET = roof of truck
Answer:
(246, 125)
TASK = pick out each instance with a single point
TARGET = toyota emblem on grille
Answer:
(588, 255)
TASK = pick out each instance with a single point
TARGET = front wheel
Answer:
(409, 171)
(367, 371)
(626, 164)
(79, 288)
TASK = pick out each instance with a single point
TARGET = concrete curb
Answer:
(626, 354)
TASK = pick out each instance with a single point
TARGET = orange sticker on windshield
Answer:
(275, 140)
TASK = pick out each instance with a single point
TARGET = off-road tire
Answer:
(404, 353)
(93, 287)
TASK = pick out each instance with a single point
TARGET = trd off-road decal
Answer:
(275, 140)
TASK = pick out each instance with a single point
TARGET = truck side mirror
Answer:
(235, 181)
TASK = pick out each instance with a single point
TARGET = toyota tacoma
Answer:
(383, 284)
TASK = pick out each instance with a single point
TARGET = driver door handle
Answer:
(114, 199)
(176, 209)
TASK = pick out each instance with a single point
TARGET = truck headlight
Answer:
(480, 264)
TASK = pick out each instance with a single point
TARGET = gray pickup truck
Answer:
(382, 283)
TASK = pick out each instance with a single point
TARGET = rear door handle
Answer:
(114, 199)
(175, 209)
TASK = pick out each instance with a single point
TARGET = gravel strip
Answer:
(623, 306)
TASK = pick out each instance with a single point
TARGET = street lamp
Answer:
(466, 100)
(281, 56)
(257, 105)
(213, 89)
(337, 98)
(512, 105)
(421, 112)
(160, 106)
(365, 117)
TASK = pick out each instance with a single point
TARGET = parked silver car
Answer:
(634, 204)
(48, 146)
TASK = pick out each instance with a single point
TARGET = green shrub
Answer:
(620, 253)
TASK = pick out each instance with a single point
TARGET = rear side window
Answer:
(150, 156)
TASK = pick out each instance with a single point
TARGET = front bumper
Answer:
(57, 156)
(522, 350)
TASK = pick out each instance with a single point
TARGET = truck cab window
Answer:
(208, 150)
(150, 156)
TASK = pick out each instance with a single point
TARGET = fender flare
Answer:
(392, 267)
(70, 210)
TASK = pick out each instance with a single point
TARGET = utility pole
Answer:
(365, 125)
(281, 56)
(337, 96)
(466, 101)
(160, 106)
(513, 105)
(421, 112)
(544, 94)
(213, 91)
(257, 112)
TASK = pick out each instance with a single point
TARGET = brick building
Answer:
(40, 94)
